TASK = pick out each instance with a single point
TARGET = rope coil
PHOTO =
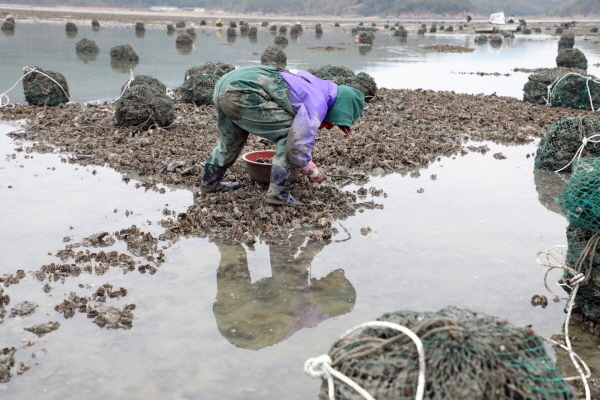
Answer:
(28, 71)
(576, 280)
(320, 367)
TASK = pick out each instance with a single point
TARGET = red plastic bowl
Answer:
(260, 172)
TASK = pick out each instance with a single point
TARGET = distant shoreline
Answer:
(44, 12)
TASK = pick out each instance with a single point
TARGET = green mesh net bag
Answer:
(571, 58)
(536, 88)
(146, 80)
(583, 255)
(218, 68)
(87, 46)
(144, 106)
(576, 90)
(566, 41)
(467, 356)
(199, 89)
(563, 140)
(580, 200)
(45, 88)
(275, 57)
(124, 52)
(341, 75)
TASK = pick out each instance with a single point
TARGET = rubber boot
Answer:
(211, 181)
(279, 192)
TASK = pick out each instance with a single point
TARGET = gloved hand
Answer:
(313, 173)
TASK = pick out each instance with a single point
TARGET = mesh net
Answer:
(8, 26)
(468, 356)
(146, 80)
(587, 300)
(481, 39)
(536, 88)
(562, 141)
(144, 106)
(566, 41)
(218, 68)
(199, 89)
(571, 58)
(184, 39)
(70, 27)
(40, 90)
(281, 40)
(580, 200)
(366, 38)
(341, 75)
(576, 90)
(87, 46)
(123, 52)
(274, 57)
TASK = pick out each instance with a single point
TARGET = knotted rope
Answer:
(27, 72)
(322, 366)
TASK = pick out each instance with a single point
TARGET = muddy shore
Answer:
(399, 131)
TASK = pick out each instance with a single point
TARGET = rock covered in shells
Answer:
(42, 329)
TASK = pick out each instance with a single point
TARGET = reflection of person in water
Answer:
(253, 315)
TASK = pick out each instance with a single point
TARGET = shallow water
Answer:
(236, 322)
(394, 63)
(469, 239)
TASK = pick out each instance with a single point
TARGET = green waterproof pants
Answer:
(253, 99)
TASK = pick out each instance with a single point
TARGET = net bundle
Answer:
(218, 68)
(87, 46)
(146, 80)
(275, 57)
(571, 58)
(580, 202)
(566, 41)
(8, 26)
(123, 53)
(468, 356)
(45, 88)
(199, 82)
(563, 140)
(199, 89)
(341, 75)
(576, 90)
(184, 39)
(536, 88)
(144, 106)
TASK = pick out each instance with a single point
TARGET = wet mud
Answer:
(446, 48)
(399, 131)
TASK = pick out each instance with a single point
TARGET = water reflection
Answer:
(8, 32)
(86, 57)
(548, 185)
(140, 34)
(184, 49)
(364, 50)
(71, 34)
(253, 315)
(231, 39)
(123, 67)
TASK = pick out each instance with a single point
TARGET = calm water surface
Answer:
(235, 322)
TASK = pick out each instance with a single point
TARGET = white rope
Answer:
(131, 78)
(27, 72)
(576, 279)
(587, 85)
(320, 367)
(579, 151)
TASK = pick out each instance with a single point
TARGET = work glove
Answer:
(313, 173)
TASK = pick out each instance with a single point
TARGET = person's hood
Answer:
(347, 108)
